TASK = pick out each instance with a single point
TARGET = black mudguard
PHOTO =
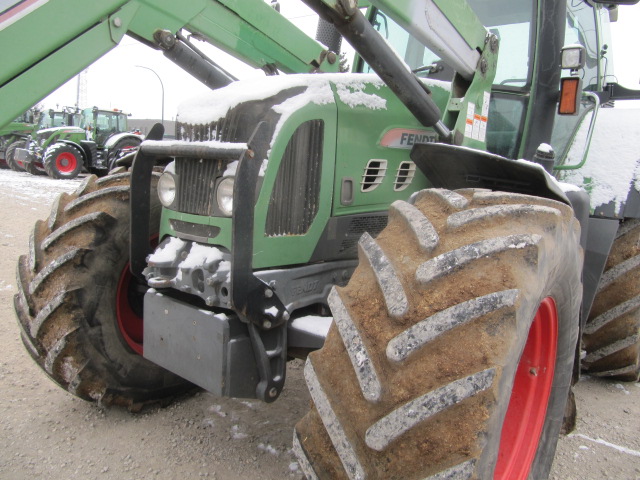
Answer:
(453, 167)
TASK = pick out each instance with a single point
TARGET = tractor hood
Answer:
(44, 134)
(208, 117)
(47, 132)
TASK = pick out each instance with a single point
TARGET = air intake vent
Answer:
(373, 175)
(404, 177)
(296, 193)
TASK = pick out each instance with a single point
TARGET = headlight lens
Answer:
(167, 189)
(224, 196)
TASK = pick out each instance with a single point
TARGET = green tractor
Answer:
(444, 293)
(93, 143)
(47, 122)
(16, 131)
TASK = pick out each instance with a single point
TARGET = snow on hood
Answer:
(215, 105)
(350, 88)
(613, 162)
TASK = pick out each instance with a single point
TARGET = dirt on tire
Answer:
(68, 292)
(612, 333)
(415, 376)
(49, 433)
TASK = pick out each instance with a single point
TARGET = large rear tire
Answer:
(458, 329)
(77, 305)
(62, 161)
(10, 154)
(612, 333)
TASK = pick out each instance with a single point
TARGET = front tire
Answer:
(62, 161)
(29, 167)
(612, 333)
(10, 155)
(457, 329)
(71, 296)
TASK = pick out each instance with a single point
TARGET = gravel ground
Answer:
(45, 433)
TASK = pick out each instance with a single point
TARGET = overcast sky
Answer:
(117, 81)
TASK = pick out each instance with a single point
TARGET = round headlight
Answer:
(167, 189)
(224, 196)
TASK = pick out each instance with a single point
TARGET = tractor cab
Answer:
(102, 124)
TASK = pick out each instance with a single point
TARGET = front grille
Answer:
(228, 129)
(196, 184)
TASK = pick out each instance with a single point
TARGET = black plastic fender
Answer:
(453, 167)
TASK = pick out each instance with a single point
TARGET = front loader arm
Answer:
(448, 27)
(47, 42)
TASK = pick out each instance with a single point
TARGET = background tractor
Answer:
(92, 143)
(48, 123)
(414, 230)
(17, 130)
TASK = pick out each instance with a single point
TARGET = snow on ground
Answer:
(29, 189)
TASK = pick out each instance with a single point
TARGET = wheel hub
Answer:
(66, 162)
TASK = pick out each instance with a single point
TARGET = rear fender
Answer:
(111, 141)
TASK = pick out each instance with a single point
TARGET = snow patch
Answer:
(613, 161)
(313, 324)
(201, 255)
(268, 448)
(167, 252)
(217, 409)
(545, 148)
(619, 386)
(353, 95)
(236, 434)
(231, 169)
(168, 144)
(599, 441)
(24, 187)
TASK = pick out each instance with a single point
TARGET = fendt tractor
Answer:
(92, 143)
(19, 129)
(410, 228)
(48, 123)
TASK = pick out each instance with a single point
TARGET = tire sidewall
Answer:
(565, 290)
(107, 263)
(10, 153)
(563, 284)
(51, 157)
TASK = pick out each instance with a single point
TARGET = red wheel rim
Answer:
(527, 409)
(129, 322)
(66, 162)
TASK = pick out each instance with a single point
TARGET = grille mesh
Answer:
(196, 182)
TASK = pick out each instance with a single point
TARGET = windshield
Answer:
(105, 120)
(510, 20)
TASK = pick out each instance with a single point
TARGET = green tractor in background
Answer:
(16, 131)
(47, 122)
(93, 143)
